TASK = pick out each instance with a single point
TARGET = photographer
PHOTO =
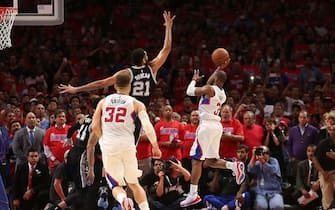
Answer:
(268, 188)
(166, 192)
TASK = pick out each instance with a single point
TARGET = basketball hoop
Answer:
(7, 16)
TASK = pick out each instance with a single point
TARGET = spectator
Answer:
(169, 189)
(52, 107)
(150, 181)
(11, 157)
(307, 178)
(232, 134)
(26, 137)
(325, 163)
(54, 140)
(8, 116)
(268, 189)
(253, 134)
(41, 113)
(300, 136)
(31, 182)
(189, 137)
(169, 135)
(273, 139)
(296, 108)
(72, 110)
(327, 122)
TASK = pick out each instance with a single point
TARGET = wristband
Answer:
(191, 88)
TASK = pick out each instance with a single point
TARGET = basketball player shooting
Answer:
(206, 146)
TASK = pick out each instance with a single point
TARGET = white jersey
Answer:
(209, 108)
(117, 123)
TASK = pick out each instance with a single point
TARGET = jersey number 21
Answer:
(141, 88)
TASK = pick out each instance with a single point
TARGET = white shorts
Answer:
(121, 168)
(207, 141)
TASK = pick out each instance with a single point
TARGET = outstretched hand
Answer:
(168, 19)
(66, 88)
(196, 75)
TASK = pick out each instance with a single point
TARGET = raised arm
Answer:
(89, 86)
(198, 91)
(159, 60)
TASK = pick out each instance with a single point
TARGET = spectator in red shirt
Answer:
(54, 139)
(169, 135)
(253, 134)
(189, 137)
(144, 153)
(232, 133)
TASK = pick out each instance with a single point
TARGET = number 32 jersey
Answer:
(209, 108)
(117, 123)
(143, 82)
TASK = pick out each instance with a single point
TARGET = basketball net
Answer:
(7, 16)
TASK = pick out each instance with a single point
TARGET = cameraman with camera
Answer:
(268, 188)
(166, 192)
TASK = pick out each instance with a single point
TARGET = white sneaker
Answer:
(225, 207)
(127, 204)
(238, 171)
(191, 199)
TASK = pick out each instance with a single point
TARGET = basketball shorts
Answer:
(207, 141)
(121, 168)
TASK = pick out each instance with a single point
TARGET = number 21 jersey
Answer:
(142, 83)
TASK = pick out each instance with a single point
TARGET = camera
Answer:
(259, 151)
(167, 165)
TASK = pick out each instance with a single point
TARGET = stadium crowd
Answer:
(280, 94)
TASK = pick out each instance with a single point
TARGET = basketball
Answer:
(220, 56)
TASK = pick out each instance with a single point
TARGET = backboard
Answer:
(39, 12)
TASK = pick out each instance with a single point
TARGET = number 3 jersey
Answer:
(117, 123)
(143, 82)
(209, 108)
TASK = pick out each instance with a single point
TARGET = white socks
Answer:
(229, 165)
(144, 205)
(193, 189)
(120, 197)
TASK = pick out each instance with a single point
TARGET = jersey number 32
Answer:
(116, 115)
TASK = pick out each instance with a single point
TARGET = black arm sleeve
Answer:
(72, 130)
